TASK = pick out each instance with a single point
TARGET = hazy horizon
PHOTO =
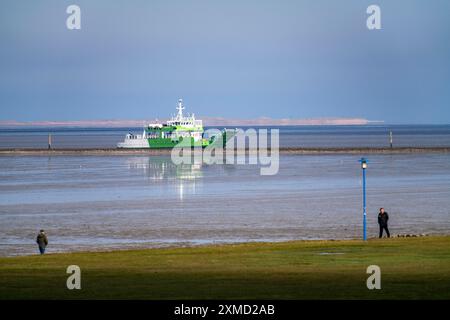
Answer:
(208, 121)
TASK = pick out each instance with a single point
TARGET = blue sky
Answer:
(239, 59)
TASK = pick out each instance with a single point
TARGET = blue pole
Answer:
(364, 205)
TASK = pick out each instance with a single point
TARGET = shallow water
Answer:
(111, 202)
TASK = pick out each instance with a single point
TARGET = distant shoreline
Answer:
(283, 150)
(208, 121)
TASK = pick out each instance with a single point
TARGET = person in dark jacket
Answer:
(42, 241)
(383, 218)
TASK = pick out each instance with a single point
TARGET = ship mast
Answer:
(180, 109)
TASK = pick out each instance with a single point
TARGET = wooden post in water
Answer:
(49, 141)
(390, 139)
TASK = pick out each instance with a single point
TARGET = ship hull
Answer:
(166, 143)
(161, 143)
(179, 132)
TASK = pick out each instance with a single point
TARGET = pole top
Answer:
(364, 163)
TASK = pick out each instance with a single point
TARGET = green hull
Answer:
(162, 143)
(179, 132)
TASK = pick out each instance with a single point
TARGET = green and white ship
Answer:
(179, 131)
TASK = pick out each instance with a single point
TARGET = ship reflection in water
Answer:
(183, 177)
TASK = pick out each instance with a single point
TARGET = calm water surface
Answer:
(290, 136)
(109, 202)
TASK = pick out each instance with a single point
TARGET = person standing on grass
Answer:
(42, 241)
(383, 218)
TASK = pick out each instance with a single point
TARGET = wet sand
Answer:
(283, 150)
(109, 202)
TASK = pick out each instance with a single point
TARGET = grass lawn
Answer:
(411, 268)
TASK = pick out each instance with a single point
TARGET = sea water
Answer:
(290, 136)
(113, 202)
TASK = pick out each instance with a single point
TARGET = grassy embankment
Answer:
(411, 268)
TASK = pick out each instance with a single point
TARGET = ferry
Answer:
(179, 131)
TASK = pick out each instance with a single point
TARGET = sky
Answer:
(133, 59)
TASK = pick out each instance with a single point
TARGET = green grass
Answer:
(412, 268)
